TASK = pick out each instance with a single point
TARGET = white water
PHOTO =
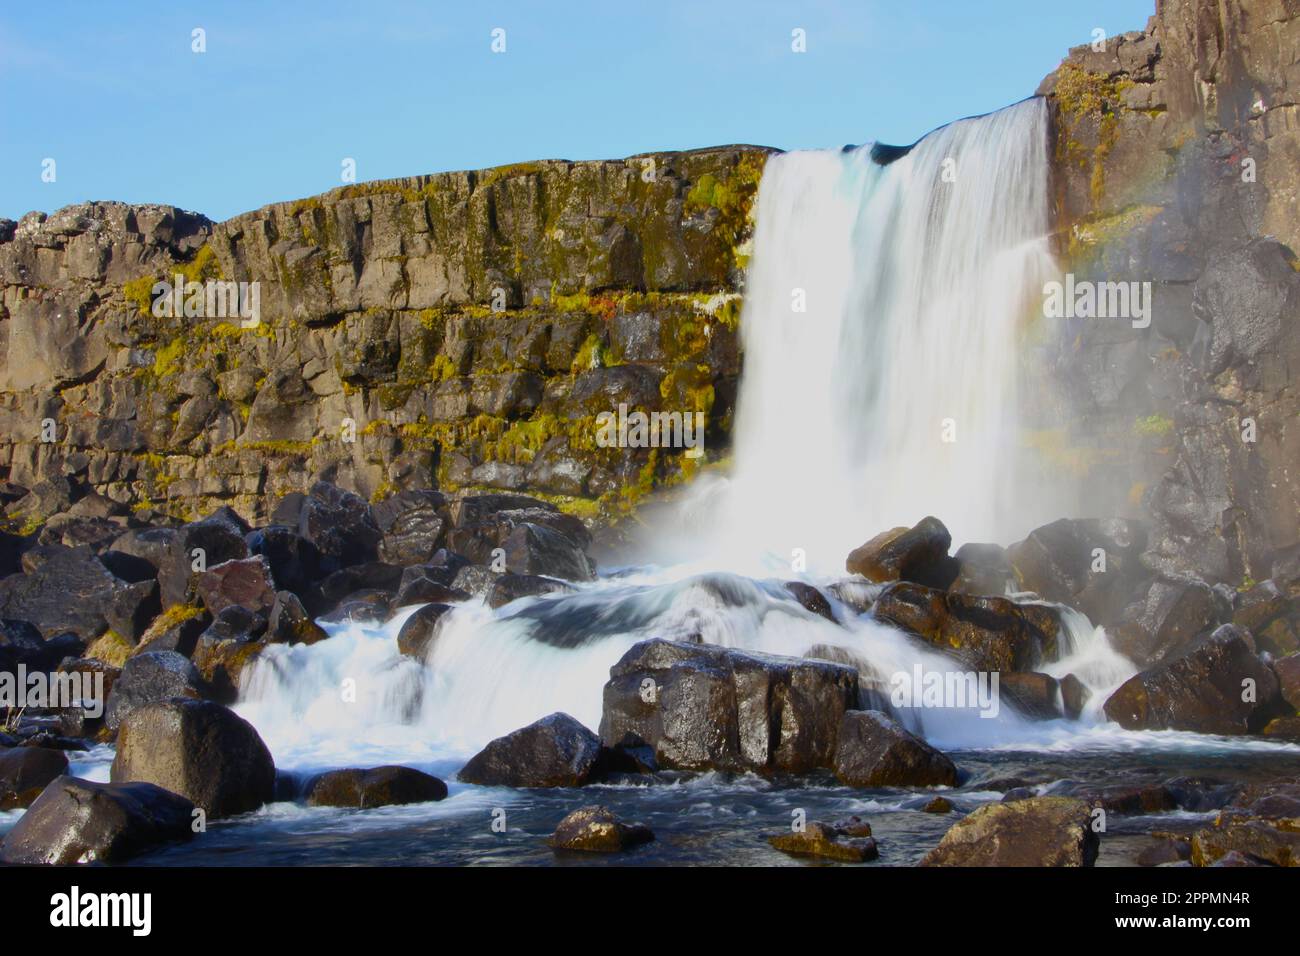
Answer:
(917, 293)
(920, 300)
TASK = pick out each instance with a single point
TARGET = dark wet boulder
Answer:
(1124, 799)
(243, 582)
(368, 576)
(1218, 687)
(827, 841)
(1074, 696)
(595, 829)
(1090, 564)
(475, 509)
(810, 599)
(1166, 622)
(856, 593)
(701, 707)
(193, 549)
(22, 643)
(25, 772)
(1035, 695)
(70, 591)
(874, 750)
(77, 821)
(987, 633)
(1165, 848)
(289, 622)
(938, 805)
(511, 587)
(127, 567)
(73, 532)
(983, 569)
(918, 554)
(442, 568)
(555, 751)
(369, 606)
(1035, 832)
(424, 590)
(1259, 606)
(339, 525)
(375, 787)
(419, 630)
(475, 580)
(150, 677)
(412, 524)
(535, 549)
(1272, 842)
(199, 749)
(147, 545)
(132, 608)
(294, 561)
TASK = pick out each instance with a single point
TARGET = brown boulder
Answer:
(1206, 690)
(988, 633)
(596, 829)
(827, 841)
(918, 554)
(376, 787)
(1036, 831)
(25, 772)
(199, 749)
(873, 750)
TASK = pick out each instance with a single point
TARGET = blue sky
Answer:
(112, 92)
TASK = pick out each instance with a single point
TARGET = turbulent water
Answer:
(918, 278)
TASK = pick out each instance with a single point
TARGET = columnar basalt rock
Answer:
(433, 330)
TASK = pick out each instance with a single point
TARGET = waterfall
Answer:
(890, 299)
(886, 332)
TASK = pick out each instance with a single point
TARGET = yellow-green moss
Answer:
(1153, 426)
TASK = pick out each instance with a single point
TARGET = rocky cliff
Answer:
(1177, 161)
(455, 330)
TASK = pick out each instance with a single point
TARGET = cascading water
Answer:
(917, 277)
(884, 333)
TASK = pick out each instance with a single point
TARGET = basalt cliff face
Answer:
(1177, 162)
(463, 330)
(454, 330)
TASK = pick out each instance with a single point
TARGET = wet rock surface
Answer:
(1039, 831)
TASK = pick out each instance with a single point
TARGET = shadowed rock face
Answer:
(199, 749)
(1176, 150)
(1039, 831)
